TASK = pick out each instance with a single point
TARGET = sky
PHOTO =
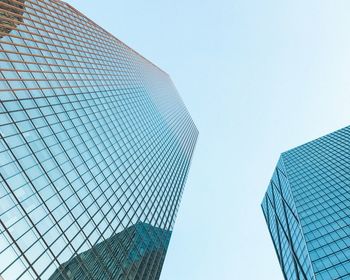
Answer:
(259, 78)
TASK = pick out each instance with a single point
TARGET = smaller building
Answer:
(307, 209)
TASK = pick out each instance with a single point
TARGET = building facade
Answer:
(307, 209)
(95, 148)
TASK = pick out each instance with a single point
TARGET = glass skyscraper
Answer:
(307, 209)
(95, 148)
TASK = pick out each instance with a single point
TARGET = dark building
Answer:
(307, 209)
(95, 148)
(11, 14)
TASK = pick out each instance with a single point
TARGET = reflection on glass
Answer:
(125, 255)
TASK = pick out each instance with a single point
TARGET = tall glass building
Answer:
(307, 209)
(95, 148)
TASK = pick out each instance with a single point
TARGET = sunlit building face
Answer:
(95, 148)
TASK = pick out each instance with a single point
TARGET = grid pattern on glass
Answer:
(319, 174)
(94, 140)
(318, 179)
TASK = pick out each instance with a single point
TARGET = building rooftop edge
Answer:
(316, 139)
(131, 49)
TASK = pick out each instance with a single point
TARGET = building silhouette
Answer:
(307, 207)
(95, 148)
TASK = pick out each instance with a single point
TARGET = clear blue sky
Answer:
(258, 77)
